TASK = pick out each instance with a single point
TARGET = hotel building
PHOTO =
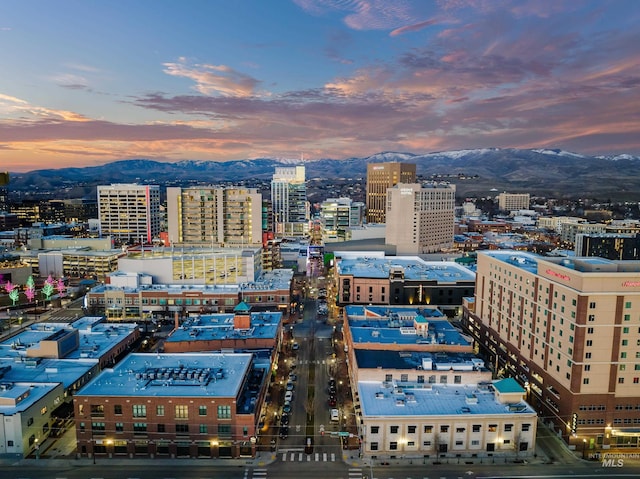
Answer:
(380, 177)
(568, 329)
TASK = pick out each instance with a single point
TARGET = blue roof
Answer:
(508, 385)
(415, 268)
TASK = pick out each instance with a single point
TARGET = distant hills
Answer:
(542, 172)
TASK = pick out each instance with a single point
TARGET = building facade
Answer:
(420, 218)
(566, 329)
(289, 201)
(613, 246)
(513, 201)
(214, 216)
(380, 177)
(129, 212)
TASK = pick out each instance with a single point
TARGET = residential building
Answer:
(289, 201)
(513, 201)
(129, 212)
(338, 215)
(420, 218)
(173, 405)
(214, 215)
(380, 177)
(564, 328)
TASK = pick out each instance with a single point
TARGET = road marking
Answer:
(324, 456)
(333, 457)
(284, 457)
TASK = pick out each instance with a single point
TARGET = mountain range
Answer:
(476, 172)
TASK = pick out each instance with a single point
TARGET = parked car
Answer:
(288, 396)
(333, 401)
(335, 415)
(287, 407)
(284, 420)
(290, 386)
(284, 432)
(295, 346)
(293, 377)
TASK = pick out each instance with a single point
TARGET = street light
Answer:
(37, 448)
(584, 446)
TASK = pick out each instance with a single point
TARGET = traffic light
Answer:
(574, 423)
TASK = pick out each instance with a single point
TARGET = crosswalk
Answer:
(261, 473)
(355, 473)
(302, 457)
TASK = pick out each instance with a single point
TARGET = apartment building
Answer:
(513, 201)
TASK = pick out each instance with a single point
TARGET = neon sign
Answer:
(558, 275)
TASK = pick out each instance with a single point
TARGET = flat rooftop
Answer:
(415, 360)
(172, 375)
(395, 325)
(387, 400)
(415, 268)
(584, 264)
(264, 325)
(18, 397)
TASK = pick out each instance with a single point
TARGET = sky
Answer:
(86, 82)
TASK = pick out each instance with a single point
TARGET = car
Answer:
(332, 391)
(287, 407)
(295, 346)
(308, 446)
(293, 377)
(284, 420)
(290, 386)
(288, 396)
(333, 401)
(332, 382)
(284, 432)
(335, 415)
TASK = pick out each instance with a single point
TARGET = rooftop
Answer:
(416, 360)
(173, 375)
(221, 326)
(387, 400)
(414, 268)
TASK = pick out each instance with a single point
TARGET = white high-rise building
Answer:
(214, 215)
(129, 212)
(420, 218)
(289, 201)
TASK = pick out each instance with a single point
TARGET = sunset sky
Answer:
(85, 82)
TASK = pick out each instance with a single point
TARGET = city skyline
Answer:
(86, 83)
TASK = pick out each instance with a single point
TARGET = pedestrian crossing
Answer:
(302, 457)
(355, 473)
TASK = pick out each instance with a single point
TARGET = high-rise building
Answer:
(214, 215)
(380, 177)
(513, 201)
(129, 212)
(4, 191)
(338, 214)
(420, 218)
(566, 329)
(289, 201)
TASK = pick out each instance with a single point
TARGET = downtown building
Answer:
(420, 218)
(212, 215)
(129, 213)
(568, 330)
(289, 205)
(380, 177)
(513, 201)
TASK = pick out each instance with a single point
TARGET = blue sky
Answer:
(88, 82)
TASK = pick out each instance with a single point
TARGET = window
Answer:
(139, 410)
(625, 342)
(460, 429)
(203, 429)
(459, 443)
(627, 304)
(493, 427)
(411, 429)
(182, 428)
(202, 411)
(224, 412)
(587, 355)
(585, 381)
(592, 317)
(428, 429)
(393, 429)
(374, 446)
(161, 428)
(393, 445)
(160, 410)
(404, 378)
(592, 305)
(182, 411)
(476, 428)
(508, 427)
(119, 427)
(525, 427)
(444, 428)
(139, 427)
(97, 410)
(589, 330)
(457, 379)
(117, 409)
(620, 380)
(375, 429)
(589, 342)
(224, 430)
(97, 426)
(388, 377)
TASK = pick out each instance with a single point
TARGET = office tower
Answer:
(338, 214)
(214, 215)
(289, 201)
(420, 218)
(129, 212)
(380, 177)
(567, 330)
(513, 201)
